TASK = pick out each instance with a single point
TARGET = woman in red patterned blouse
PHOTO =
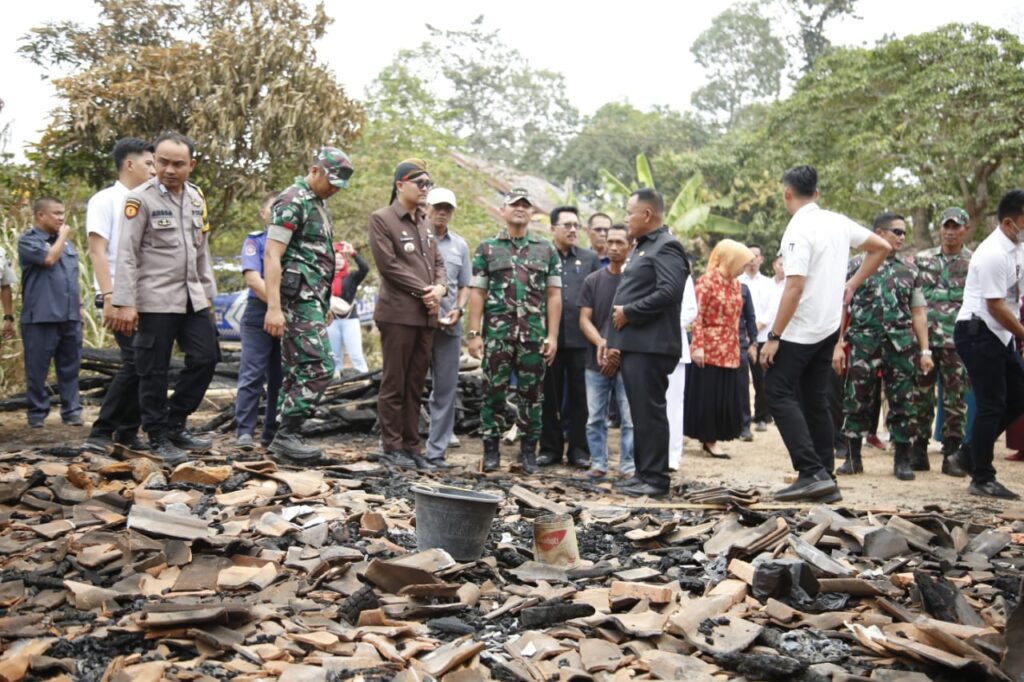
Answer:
(713, 404)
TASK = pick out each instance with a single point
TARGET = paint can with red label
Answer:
(554, 540)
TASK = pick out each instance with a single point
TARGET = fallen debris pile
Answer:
(113, 569)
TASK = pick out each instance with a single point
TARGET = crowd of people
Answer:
(572, 337)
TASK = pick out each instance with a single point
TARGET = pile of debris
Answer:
(112, 568)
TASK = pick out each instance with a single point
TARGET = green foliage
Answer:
(239, 76)
(470, 84)
(614, 136)
(744, 60)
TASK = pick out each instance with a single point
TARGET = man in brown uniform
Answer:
(413, 280)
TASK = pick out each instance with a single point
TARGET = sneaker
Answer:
(454, 442)
(595, 474)
(992, 489)
(74, 421)
(183, 438)
(747, 436)
(874, 441)
(810, 488)
(99, 442)
(760, 426)
(245, 442)
(831, 498)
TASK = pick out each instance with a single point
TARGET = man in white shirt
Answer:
(985, 329)
(119, 419)
(762, 291)
(797, 355)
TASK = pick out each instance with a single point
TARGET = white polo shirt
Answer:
(816, 245)
(996, 271)
(762, 289)
(101, 217)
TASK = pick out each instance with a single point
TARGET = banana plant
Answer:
(688, 215)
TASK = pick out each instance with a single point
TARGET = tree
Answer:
(615, 135)
(238, 76)
(912, 125)
(811, 17)
(744, 60)
(488, 96)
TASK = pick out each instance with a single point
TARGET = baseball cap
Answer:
(441, 195)
(957, 215)
(336, 163)
(516, 194)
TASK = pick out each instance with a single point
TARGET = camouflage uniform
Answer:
(515, 273)
(299, 218)
(881, 335)
(941, 279)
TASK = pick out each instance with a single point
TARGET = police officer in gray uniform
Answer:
(164, 293)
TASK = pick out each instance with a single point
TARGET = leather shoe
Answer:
(809, 488)
(132, 442)
(181, 437)
(594, 474)
(747, 436)
(992, 489)
(710, 453)
(422, 463)
(627, 483)
(398, 459)
(546, 459)
(162, 447)
(439, 463)
(644, 490)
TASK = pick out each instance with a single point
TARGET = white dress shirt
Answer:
(762, 289)
(102, 217)
(996, 271)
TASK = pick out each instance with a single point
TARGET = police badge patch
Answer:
(131, 208)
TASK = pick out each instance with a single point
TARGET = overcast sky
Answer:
(604, 52)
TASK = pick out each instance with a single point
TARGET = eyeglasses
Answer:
(569, 226)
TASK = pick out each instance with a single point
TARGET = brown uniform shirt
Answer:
(408, 259)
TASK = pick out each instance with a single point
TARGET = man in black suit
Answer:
(565, 386)
(646, 339)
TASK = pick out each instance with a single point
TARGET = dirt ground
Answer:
(763, 463)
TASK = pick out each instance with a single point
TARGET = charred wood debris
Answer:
(115, 568)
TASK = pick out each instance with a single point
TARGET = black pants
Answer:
(645, 376)
(798, 387)
(196, 335)
(760, 397)
(119, 416)
(565, 383)
(997, 377)
(743, 376)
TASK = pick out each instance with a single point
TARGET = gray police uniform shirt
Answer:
(163, 256)
(455, 251)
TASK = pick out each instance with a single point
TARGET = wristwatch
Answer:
(472, 334)
(8, 318)
(772, 336)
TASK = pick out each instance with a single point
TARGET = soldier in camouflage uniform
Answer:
(515, 299)
(887, 313)
(298, 269)
(942, 273)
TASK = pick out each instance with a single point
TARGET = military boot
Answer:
(492, 454)
(528, 455)
(853, 464)
(953, 458)
(901, 462)
(289, 445)
(919, 455)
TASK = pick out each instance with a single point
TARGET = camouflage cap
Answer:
(516, 194)
(957, 215)
(336, 163)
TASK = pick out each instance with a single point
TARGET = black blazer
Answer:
(651, 293)
(748, 321)
(569, 334)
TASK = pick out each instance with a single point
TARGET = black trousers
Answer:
(196, 335)
(761, 413)
(743, 376)
(565, 384)
(798, 386)
(119, 416)
(645, 376)
(997, 377)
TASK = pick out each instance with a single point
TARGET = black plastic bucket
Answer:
(454, 519)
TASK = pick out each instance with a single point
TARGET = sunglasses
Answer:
(422, 183)
(897, 231)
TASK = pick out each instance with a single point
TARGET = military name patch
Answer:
(131, 208)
